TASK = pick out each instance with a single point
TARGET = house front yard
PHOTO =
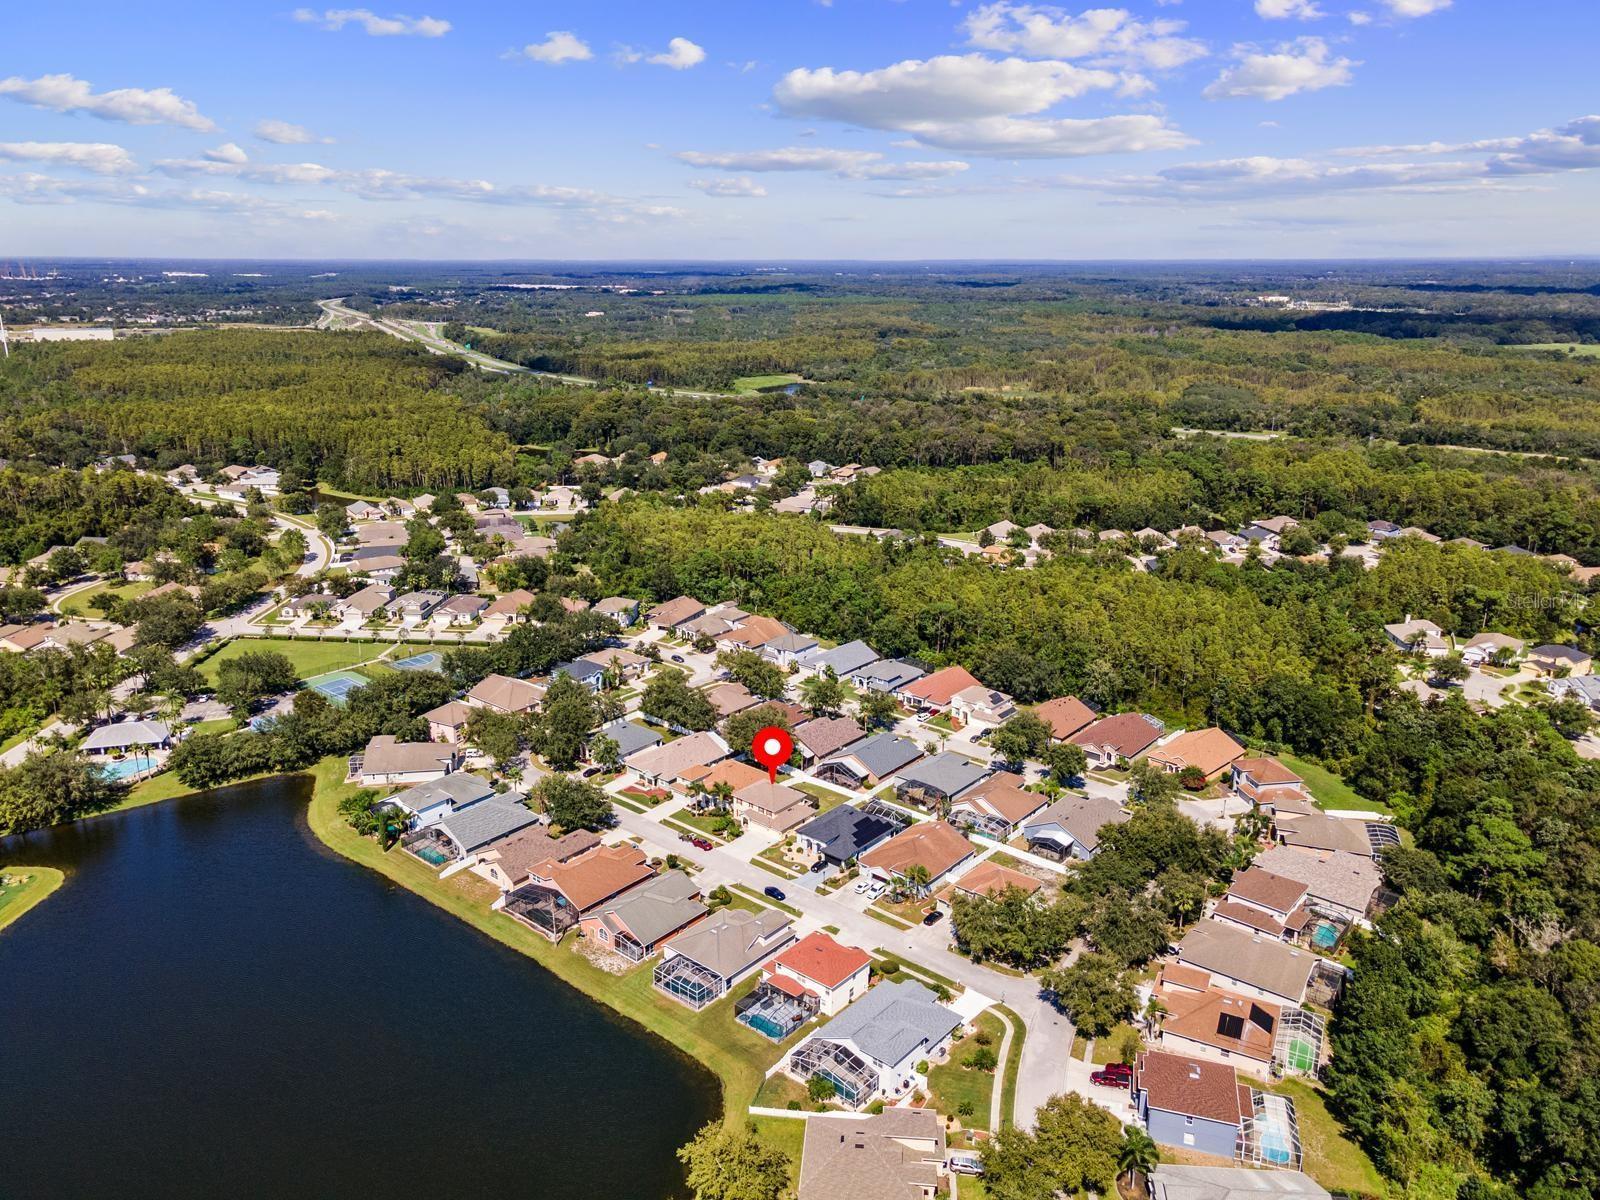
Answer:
(964, 1092)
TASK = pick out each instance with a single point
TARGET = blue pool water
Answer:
(429, 854)
(126, 767)
(1325, 936)
(765, 1025)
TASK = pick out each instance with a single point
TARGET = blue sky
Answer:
(794, 129)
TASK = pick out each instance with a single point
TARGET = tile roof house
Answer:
(591, 879)
(667, 763)
(702, 963)
(389, 761)
(675, 612)
(635, 923)
(1071, 826)
(867, 763)
(934, 845)
(996, 806)
(728, 773)
(823, 736)
(896, 1155)
(836, 974)
(772, 806)
(1190, 1103)
(505, 694)
(1248, 964)
(507, 861)
(872, 1048)
(843, 833)
(933, 693)
(1113, 740)
(1261, 780)
(1210, 751)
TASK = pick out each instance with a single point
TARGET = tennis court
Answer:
(337, 685)
(428, 660)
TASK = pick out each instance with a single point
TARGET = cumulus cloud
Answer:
(1106, 35)
(228, 152)
(102, 158)
(559, 46)
(335, 19)
(739, 186)
(1415, 8)
(285, 133)
(1285, 10)
(845, 164)
(1303, 65)
(680, 55)
(135, 106)
(1575, 146)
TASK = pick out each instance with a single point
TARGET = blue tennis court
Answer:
(428, 660)
(337, 685)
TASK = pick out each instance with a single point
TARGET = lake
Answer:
(214, 1004)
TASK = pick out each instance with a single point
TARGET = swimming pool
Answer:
(1325, 936)
(126, 767)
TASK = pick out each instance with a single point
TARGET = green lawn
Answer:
(37, 883)
(1008, 1093)
(755, 383)
(1582, 349)
(789, 1135)
(953, 1083)
(1328, 789)
(827, 799)
(1331, 1158)
(309, 658)
(87, 602)
(738, 1056)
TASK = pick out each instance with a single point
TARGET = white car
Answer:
(870, 888)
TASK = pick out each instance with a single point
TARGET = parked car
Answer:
(701, 843)
(1114, 1076)
(933, 918)
(773, 893)
(677, 658)
(820, 865)
(965, 1162)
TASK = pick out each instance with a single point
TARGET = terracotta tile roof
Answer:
(1208, 749)
(935, 845)
(1065, 715)
(788, 986)
(819, 958)
(1190, 1086)
(598, 876)
(1260, 886)
(1266, 771)
(1236, 1024)
(989, 878)
(730, 771)
(938, 688)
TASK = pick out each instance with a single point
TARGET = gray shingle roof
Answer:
(474, 826)
(845, 660)
(733, 940)
(892, 1021)
(949, 773)
(882, 754)
(630, 738)
(459, 788)
(890, 674)
(656, 907)
(846, 832)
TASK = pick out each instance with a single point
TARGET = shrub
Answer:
(983, 1037)
(983, 1059)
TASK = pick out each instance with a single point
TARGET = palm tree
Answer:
(917, 879)
(1154, 1010)
(1137, 1154)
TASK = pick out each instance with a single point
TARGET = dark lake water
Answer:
(214, 1005)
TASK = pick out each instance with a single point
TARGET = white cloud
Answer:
(102, 158)
(845, 164)
(335, 19)
(228, 152)
(559, 46)
(135, 106)
(1009, 137)
(739, 186)
(285, 133)
(1575, 146)
(1107, 35)
(1415, 8)
(1359, 18)
(1285, 10)
(33, 189)
(1304, 65)
(680, 55)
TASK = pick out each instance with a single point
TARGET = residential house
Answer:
(361, 510)
(844, 661)
(867, 763)
(1382, 530)
(935, 846)
(626, 664)
(510, 607)
(1559, 660)
(714, 782)
(448, 722)
(772, 806)
(871, 1050)
(414, 607)
(583, 671)
(365, 604)
(1228, 543)
(702, 963)
(995, 806)
(886, 675)
(382, 563)
(1118, 740)
(1219, 1027)
(629, 737)
(1190, 1103)
(662, 765)
(787, 648)
(1418, 637)
(621, 609)
(508, 862)
(730, 697)
(123, 736)
(979, 705)
(460, 610)
(1339, 884)
(1246, 963)
(1263, 781)
(934, 692)
(896, 1155)
(431, 802)
(27, 639)
(1318, 833)
(560, 894)
(382, 533)
(935, 782)
(985, 881)
(1584, 688)
(1263, 901)
(469, 828)
(1484, 648)
(1210, 751)
(823, 736)
(635, 923)
(753, 633)
(1170, 1181)
(388, 760)
(837, 975)
(1066, 715)
(506, 694)
(673, 613)
(1071, 826)
(842, 834)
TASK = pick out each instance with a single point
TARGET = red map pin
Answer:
(771, 747)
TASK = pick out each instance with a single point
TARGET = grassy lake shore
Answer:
(18, 899)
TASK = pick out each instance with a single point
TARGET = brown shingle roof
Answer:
(518, 853)
(1065, 715)
(1128, 734)
(828, 735)
(989, 878)
(675, 612)
(505, 693)
(935, 845)
(1203, 1018)
(1190, 1086)
(1208, 749)
(595, 877)
(938, 688)
(1266, 771)
(1260, 886)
